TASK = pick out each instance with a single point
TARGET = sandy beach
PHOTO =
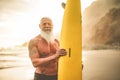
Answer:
(98, 65)
(17, 73)
(101, 65)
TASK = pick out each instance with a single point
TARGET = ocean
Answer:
(15, 64)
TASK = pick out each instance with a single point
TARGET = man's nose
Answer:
(47, 25)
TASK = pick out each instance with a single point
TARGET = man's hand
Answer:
(61, 52)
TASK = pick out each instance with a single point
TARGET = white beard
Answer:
(48, 36)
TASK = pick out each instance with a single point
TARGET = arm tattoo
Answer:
(33, 51)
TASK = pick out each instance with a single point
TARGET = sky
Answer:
(19, 19)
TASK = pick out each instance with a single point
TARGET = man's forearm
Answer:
(40, 61)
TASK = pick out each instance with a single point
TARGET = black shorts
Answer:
(44, 77)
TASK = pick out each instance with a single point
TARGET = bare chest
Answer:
(46, 49)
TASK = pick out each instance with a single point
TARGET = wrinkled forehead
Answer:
(45, 20)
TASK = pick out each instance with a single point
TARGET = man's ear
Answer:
(63, 5)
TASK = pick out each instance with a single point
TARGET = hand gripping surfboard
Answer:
(70, 66)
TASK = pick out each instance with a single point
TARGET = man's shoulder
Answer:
(34, 40)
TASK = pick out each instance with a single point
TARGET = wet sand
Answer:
(101, 65)
(17, 73)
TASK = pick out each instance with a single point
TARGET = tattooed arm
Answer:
(35, 57)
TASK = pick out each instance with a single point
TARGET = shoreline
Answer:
(17, 73)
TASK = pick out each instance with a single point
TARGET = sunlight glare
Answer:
(24, 25)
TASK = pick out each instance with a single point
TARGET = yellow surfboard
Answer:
(70, 66)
